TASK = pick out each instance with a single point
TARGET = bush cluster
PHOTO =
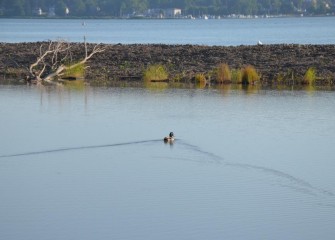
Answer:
(155, 72)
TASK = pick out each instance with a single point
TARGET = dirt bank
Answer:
(127, 62)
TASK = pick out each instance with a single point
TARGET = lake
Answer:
(309, 30)
(91, 163)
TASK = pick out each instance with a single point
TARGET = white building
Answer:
(172, 12)
(38, 11)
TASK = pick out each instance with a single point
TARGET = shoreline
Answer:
(284, 64)
(222, 17)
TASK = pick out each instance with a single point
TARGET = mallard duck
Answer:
(170, 138)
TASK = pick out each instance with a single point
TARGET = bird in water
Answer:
(170, 138)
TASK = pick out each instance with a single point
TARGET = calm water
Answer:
(318, 30)
(90, 164)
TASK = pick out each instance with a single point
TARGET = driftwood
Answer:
(50, 66)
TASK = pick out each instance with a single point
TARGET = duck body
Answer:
(170, 138)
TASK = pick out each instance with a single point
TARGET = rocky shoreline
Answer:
(287, 63)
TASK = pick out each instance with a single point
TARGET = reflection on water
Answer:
(156, 85)
(245, 161)
(78, 85)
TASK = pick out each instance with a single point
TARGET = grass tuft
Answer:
(236, 76)
(224, 74)
(155, 72)
(310, 76)
(200, 78)
(249, 75)
(75, 72)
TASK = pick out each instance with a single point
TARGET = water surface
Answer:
(315, 30)
(91, 164)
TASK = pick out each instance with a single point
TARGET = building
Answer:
(37, 12)
(172, 13)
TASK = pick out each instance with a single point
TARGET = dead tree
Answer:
(50, 65)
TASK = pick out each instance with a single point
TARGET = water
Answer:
(317, 30)
(91, 164)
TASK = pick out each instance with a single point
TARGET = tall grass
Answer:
(236, 76)
(249, 75)
(76, 72)
(155, 72)
(200, 80)
(223, 74)
(310, 76)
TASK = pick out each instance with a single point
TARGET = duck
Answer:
(170, 138)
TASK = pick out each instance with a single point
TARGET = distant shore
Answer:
(285, 63)
(229, 16)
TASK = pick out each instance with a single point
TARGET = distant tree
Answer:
(138, 6)
(298, 4)
(276, 4)
(14, 7)
(77, 7)
(246, 7)
(60, 8)
(194, 7)
(112, 7)
(28, 7)
(264, 6)
(91, 8)
(123, 9)
(287, 7)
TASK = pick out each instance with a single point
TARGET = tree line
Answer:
(119, 8)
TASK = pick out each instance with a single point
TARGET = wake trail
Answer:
(217, 159)
(78, 148)
(309, 188)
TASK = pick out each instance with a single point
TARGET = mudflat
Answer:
(121, 62)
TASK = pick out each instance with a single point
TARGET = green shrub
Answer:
(236, 76)
(77, 72)
(223, 73)
(249, 75)
(310, 76)
(200, 78)
(155, 73)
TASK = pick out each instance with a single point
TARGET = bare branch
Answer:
(85, 47)
(41, 58)
(52, 75)
(68, 52)
(53, 57)
(42, 71)
(95, 50)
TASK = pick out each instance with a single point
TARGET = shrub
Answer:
(236, 76)
(200, 78)
(76, 72)
(310, 76)
(155, 73)
(223, 73)
(249, 75)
